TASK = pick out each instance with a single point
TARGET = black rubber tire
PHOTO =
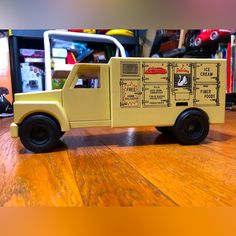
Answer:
(164, 130)
(39, 133)
(191, 127)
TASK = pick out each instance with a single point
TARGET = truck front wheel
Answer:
(39, 133)
(191, 127)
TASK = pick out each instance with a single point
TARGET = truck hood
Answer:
(54, 95)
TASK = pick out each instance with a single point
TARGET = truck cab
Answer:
(86, 96)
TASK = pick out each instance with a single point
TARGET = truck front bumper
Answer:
(14, 129)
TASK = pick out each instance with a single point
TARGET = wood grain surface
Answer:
(121, 167)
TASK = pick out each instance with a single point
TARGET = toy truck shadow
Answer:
(178, 96)
(125, 139)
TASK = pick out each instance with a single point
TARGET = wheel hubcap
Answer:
(194, 129)
(39, 135)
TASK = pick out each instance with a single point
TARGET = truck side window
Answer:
(88, 80)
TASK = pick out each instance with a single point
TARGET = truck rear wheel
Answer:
(191, 127)
(39, 133)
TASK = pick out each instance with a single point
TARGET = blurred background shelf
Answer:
(33, 39)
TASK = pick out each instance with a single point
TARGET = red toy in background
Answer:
(208, 35)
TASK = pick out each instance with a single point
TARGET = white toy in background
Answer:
(32, 78)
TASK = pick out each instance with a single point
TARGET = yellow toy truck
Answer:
(177, 94)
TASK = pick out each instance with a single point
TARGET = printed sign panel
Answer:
(155, 72)
(182, 81)
(206, 94)
(155, 95)
(182, 75)
(206, 73)
(130, 93)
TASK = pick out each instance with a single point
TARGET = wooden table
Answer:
(121, 167)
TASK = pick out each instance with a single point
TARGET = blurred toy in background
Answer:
(58, 83)
(207, 43)
(32, 78)
(208, 35)
(59, 78)
(165, 44)
(190, 36)
(79, 50)
(6, 108)
(99, 57)
(121, 32)
(89, 31)
(102, 31)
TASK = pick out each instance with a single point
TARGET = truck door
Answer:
(86, 96)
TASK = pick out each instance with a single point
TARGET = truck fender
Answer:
(24, 109)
